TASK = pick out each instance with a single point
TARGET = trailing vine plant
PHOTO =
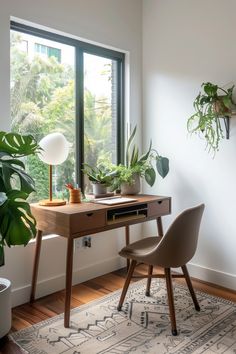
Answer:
(213, 103)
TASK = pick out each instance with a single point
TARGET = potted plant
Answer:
(127, 177)
(17, 224)
(101, 178)
(213, 103)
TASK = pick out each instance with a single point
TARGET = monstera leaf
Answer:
(17, 224)
(18, 145)
(10, 167)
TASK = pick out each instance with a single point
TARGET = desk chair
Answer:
(173, 250)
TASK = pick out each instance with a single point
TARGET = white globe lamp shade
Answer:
(55, 149)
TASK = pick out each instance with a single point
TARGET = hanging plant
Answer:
(213, 103)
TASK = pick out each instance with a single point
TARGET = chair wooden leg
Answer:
(127, 242)
(150, 270)
(190, 287)
(126, 285)
(171, 301)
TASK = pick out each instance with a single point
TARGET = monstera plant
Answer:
(17, 224)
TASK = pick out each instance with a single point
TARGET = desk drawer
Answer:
(159, 208)
(88, 221)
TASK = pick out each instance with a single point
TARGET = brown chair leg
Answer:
(127, 242)
(171, 301)
(150, 269)
(190, 287)
(126, 285)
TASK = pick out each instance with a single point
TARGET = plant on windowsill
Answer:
(127, 176)
(210, 105)
(17, 224)
(100, 176)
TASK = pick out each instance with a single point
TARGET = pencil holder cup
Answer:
(75, 196)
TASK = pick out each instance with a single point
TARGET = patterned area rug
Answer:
(142, 327)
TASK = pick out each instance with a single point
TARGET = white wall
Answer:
(115, 23)
(185, 43)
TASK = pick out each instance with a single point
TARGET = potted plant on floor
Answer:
(213, 103)
(127, 176)
(17, 224)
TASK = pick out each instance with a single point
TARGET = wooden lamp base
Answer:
(54, 202)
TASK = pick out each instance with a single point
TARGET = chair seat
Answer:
(140, 248)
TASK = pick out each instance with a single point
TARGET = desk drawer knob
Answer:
(89, 214)
(159, 201)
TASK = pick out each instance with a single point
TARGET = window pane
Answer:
(100, 110)
(43, 101)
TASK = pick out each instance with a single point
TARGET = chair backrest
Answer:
(179, 243)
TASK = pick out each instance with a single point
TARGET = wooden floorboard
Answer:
(28, 314)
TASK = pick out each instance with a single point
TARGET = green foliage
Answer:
(42, 101)
(17, 224)
(211, 104)
(100, 174)
(141, 165)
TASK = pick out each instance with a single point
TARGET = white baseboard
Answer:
(48, 286)
(216, 277)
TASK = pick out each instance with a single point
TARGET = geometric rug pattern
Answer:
(142, 327)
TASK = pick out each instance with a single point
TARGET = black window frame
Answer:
(81, 48)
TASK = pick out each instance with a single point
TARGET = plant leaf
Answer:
(150, 176)
(10, 167)
(144, 157)
(134, 157)
(17, 224)
(128, 145)
(227, 101)
(162, 164)
(18, 145)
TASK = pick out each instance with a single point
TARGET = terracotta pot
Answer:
(220, 108)
(133, 188)
(5, 306)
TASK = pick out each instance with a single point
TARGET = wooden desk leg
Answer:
(69, 270)
(159, 226)
(127, 242)
(36, 264)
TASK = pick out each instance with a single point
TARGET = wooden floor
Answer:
(52, 305)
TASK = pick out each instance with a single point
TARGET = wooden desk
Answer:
(78, 220)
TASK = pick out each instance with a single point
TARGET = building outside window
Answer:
(48, 51)
(60, 84)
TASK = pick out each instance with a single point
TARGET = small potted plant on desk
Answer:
(17, 224)
(101, 178)
(210, 105)
(127, 176)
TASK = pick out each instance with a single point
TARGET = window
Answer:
(61, 84)
(48, 51)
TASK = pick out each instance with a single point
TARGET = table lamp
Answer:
(55, 150)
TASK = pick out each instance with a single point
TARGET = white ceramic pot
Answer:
(99, 188)
(133, 188)
(5, 306)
